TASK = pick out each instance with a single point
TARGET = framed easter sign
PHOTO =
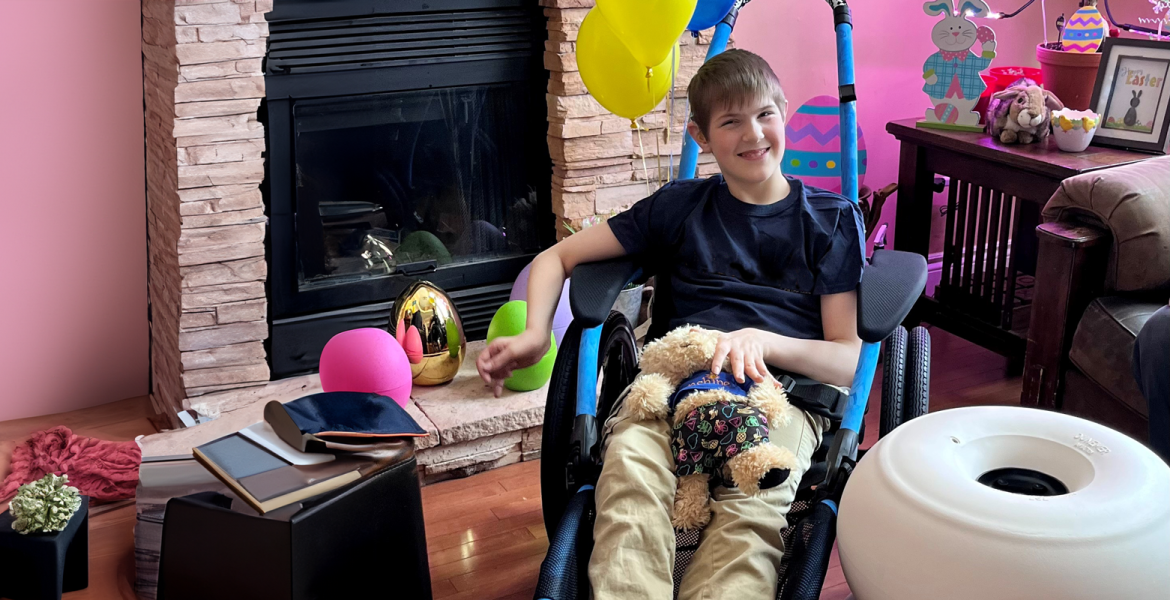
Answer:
(1131, 95)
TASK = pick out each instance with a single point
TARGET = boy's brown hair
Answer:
(732, 78)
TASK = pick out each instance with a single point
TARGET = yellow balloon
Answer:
(613, 76)
(649, 28)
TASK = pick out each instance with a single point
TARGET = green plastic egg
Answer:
(508, 321)
(420, 246)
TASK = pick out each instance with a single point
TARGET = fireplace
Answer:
(405, 140)
(260, 248)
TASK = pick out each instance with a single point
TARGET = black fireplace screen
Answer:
(406, 141)
(406, 182)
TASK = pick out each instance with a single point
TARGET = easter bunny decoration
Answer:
(952, 74)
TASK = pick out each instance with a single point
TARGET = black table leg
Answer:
(912, 220)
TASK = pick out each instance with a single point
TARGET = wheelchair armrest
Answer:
(890, 286)
(596, 286)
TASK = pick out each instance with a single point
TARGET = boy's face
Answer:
(747, 140)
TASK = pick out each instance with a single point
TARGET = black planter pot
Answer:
(42, 566)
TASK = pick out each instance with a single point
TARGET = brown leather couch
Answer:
(1103, 268)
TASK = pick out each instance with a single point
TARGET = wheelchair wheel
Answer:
(617, 365)
(917, 399)
(558, 427)
(893, 380)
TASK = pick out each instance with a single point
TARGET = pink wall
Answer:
(73, 230)
(796, 37)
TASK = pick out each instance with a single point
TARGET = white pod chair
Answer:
(917, 523)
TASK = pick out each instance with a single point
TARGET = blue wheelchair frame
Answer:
(845, 444)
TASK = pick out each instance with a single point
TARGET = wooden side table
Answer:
(993, 208)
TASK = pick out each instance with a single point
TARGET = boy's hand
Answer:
(745, 349)
(506, 354)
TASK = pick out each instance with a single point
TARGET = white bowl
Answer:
(916, 523)
(1074, 129)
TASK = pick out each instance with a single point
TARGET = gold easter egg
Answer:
(427, 325)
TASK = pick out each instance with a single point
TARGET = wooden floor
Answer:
(111, 527)
(484, 533)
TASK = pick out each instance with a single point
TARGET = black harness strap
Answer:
(814, 397)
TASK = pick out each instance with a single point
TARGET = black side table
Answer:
(364, 540)
(42, 566)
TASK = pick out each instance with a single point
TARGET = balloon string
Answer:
(658, 161)
(645, 171)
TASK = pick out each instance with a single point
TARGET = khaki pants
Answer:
(740, 550)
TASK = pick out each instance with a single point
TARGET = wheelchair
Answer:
(598, 356)
(598, 359)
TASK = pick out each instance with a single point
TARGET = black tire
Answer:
(617, 363)
(557, 429)
(893, 380)
(917, 398)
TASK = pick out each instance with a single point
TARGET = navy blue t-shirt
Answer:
(733, 265)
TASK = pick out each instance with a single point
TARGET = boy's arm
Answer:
(545, 281)
(551, 267)
(832, 360)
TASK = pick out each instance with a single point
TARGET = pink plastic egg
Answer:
(413, 345)
(366, 360)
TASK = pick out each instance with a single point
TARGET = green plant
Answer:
(45, 505)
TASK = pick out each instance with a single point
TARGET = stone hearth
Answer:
(203, 85)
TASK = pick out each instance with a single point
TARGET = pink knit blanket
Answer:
(102, 470)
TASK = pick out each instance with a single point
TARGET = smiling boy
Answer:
(768, 261)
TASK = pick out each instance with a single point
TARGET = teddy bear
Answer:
(1021, 113)
(720, 426)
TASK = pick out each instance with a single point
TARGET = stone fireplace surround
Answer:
(205, 147)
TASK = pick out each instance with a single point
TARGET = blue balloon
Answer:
(708, 13)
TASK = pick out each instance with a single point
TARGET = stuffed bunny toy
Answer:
(952, 74)
(719, 425)
(1022, 113)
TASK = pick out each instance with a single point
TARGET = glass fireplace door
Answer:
(407, 182)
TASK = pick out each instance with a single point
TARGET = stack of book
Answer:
(301, 450)
(160, 479)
